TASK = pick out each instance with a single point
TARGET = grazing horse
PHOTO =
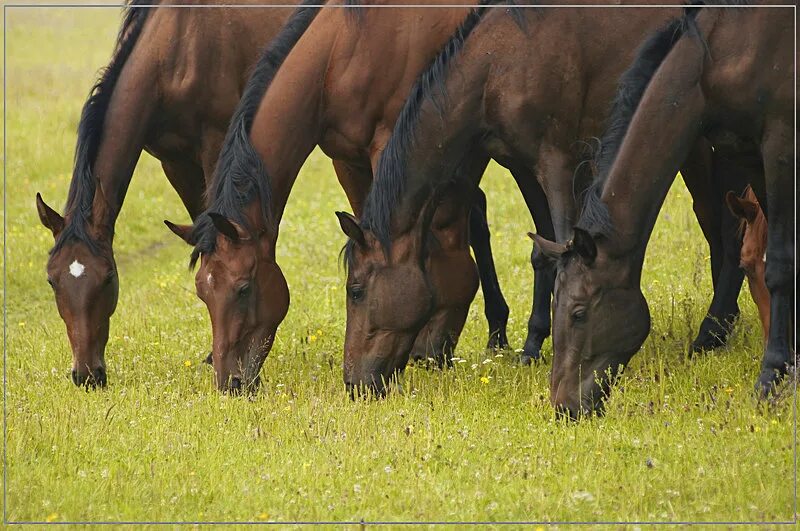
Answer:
(729, 76)
(171, 97)
(480, 99)
(754, 249)
(336, 77)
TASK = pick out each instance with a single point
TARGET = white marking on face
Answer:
(764, 259)
(210, 280)
(76, 269)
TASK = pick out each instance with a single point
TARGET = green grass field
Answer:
(684, 440)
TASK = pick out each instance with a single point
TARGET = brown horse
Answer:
(171, 97)
(481, 99)
(338, 78)
(754, 249)
(729, 76)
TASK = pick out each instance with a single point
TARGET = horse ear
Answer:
(583, 244)
(229, 229)
(545, 249)
(741, 207)
(184, 232)
(351, 228)
(49, 217)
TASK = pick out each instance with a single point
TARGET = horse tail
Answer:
(90, 127)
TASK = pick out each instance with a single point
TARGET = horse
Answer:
(753, 228)
(336, 77)
(481, 99)
(170, 97)
(728, 76)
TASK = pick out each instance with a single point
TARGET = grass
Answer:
(685, 440)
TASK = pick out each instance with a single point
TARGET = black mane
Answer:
(390, 178)
(632, 85)
(240, 174)
(78, 209)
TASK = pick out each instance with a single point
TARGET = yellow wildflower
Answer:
(312, 338)
(484, 380)
(263, 516)
(187, 363)
(52, 517)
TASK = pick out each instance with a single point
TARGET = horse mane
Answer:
(240, 174)
(83, 185)
(390, 178)
(631, 87)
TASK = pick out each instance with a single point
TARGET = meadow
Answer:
(682, 439)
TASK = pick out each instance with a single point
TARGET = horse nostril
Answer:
(236, 385)
(100, 376)
(566, 413)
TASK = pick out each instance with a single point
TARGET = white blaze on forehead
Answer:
(210, 280)
(76, 269)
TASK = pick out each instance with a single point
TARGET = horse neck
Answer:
(444, 144)
(658, 140)
(123, 137)
(287, 125)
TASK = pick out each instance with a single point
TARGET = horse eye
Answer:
(108, 278)
(355, 292)
(244, 291)
(579, 315)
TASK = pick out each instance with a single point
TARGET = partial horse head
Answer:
(754, 249)
(84, 279)
(425, 280)
(245, 293)
(591, 343)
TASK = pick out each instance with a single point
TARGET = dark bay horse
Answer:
(170, 96)
(754, 249)
(482, 98)
(337, 78)
(730, 76)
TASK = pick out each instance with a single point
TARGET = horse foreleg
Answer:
(495, 306)
(543, 270)
(355, 181)
(725, 242)
(186, 177)
(779, 168)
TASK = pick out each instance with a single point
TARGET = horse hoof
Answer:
(712, 336)
(497, 340)
(767, 383)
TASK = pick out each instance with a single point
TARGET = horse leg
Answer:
(355, 181)
(186, 177)
(697, 176)
(495, 306)
(779, 167)
(727, 173)
(544, 271)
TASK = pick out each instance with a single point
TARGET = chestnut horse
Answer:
(730, 76)
(170, 97)
(754, 249)
(336, 77)
(480, 99)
